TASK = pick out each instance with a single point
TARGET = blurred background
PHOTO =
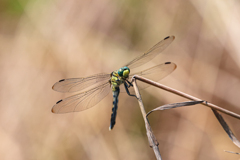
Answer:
(42, 42)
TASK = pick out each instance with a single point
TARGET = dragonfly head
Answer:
(124, 72)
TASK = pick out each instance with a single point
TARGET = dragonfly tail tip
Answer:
(110, 127)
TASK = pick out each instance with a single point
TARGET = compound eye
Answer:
(126, 73)
(120, 72)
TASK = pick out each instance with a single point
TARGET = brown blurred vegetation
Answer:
(44, 41)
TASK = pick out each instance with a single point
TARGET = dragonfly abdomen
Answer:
(115, 107)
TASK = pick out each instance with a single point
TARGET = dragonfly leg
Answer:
(130, 84)
(126, 87)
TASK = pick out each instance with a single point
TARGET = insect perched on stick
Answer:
(101, 84)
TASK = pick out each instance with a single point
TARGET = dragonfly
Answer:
(94, 88)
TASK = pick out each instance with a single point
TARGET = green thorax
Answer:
(118, 77)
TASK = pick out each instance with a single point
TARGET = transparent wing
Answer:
(82, 101)
(155, 73)
(151, 53)
(77, 84)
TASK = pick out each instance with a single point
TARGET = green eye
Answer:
(120, 72)
(125, 73)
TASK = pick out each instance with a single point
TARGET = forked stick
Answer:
(151, 138)
(166, 88)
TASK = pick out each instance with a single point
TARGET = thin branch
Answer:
(231, 152)
(151, 138)
(166, 88)
(175, 105)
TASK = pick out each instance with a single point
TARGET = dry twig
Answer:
(151, 138)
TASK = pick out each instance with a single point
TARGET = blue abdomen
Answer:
(115, 107)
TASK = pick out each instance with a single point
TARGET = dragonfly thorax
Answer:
(118, 77)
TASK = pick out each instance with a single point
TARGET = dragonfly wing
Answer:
(151, 53)
(82, 101)
(155, 73)
(77, 84)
